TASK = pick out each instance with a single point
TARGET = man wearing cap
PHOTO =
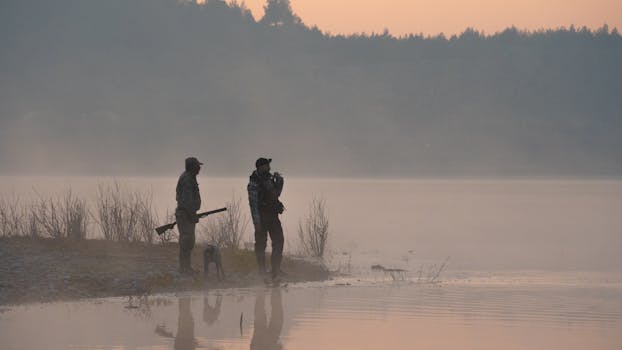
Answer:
(264, 190)
(188, 203)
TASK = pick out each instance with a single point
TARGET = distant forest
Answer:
(134, 86)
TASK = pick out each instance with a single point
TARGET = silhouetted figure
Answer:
(188, 202)
(210, 314)
(264, 190)
(184, 340)
(266, 335)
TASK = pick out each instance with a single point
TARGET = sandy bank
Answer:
(39, 270)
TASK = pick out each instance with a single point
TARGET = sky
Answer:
(450, 16)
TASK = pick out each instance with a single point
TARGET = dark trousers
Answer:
(186, 242)
(270, 224)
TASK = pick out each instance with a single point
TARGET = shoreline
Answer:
(38, 270)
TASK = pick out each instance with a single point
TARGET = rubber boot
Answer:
(276, 265)
(261, 262)
(276, 257)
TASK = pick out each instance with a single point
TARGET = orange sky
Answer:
(450, 16)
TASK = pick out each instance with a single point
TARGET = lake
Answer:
(529, 264)
(479, 224)
(330, 315)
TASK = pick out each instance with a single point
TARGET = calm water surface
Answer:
(363, 315)
(533, 265)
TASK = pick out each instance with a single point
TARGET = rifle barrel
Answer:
(206, 213)
(160, 230)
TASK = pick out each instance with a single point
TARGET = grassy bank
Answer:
(40, 269)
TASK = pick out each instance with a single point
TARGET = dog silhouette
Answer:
(211, 254)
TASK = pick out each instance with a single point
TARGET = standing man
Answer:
(264, 190)
(188, 202)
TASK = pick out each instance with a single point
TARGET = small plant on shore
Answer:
(66, 216)
(11, 216)
(435, 272)
(147, 217)
(313, 229)
(125, 215)
(31, 227)
(168, 235)
(227, 229)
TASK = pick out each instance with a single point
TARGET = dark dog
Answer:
(211, 254)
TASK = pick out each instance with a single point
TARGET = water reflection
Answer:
(211, 313)
(266, 335)
(474, 315)
(184, 339)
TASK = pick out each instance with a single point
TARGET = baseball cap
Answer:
(192, 161)
(262, 161)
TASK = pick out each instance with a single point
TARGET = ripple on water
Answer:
(363, 316)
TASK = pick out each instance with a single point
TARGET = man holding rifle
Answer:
(188, 203)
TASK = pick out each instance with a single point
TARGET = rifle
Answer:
(160, 230)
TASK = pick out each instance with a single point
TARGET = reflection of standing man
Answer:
(188, 202)
(264, 190)
(184, 340)
(266, 335)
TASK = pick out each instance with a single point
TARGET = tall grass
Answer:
(226, 229)
(313, 229)
(169, 235)
(65, 216)
(125, 215)
(12, 216)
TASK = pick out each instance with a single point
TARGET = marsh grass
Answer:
(65, 216)
(313, 229)
(227, 229)
(12, 215)
(168, 235)
(125, 215)
(121, 214)
(432, 273)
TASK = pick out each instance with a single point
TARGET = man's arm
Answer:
(187, 201)
(278, 183)
(253, 200)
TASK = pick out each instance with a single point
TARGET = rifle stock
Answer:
(160, 230)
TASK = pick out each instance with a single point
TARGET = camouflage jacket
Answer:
(263, 194)
(188, 196)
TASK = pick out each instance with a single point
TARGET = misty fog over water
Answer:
(480, 224)
(497, 157)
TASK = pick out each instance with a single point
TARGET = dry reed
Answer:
(313, 229)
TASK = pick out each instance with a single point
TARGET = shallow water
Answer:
(533, 265)
(508, 314)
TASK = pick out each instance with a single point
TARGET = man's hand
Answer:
(278, 179)
(194, 217)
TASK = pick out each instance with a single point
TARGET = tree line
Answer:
(129, 86)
